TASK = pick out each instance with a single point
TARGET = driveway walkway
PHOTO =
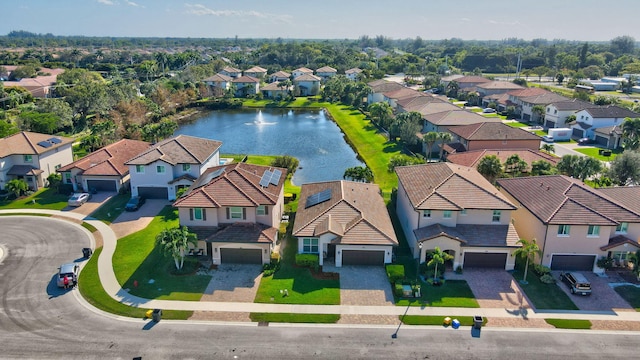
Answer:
(603, 297)
(495, 289)
(93, 204)
(132, 221)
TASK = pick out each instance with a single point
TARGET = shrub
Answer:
(275, 257)
(398, 290)
(308, 260)
(395, 272)
(605, 262)
(547, 279)
(541, 270)
(459, 270)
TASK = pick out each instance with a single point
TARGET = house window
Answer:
(186, 167)
(57, 166)
(160, 169)
(593, 230)
(28, 158)
(262, 210)
(496, 216)
(235, 212)
(140, 169)
(463, 212)
(197, 213)
(67, 178)
(622, 228)
(563, 230)
(555, 111)
(426, 213)
(310, 245)
(446, 214)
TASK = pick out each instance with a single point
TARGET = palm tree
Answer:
(528, 250)
(539, 111)
(17, 187)
(444, 137)
(429, 139)
(174, 242)
(438, 257)
(549, 148)
(515, 165)
(490, 167)
(631, 133)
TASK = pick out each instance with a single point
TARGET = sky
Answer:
(582, 20)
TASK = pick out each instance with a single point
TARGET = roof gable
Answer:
(182, 149)
(492, 131)
(27, 143)
(110, 160)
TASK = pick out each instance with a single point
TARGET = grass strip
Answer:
(630, 294)
(437, 320)
(295, 318)
(89, 227)
(569, 323)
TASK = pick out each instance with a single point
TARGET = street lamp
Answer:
(418, 261)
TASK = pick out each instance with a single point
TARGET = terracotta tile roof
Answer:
(26, 143)
(452, 77)
(307, 77)
(383, 86)
(492, 131)
(417, 102)
(471, 79)
(499, 85)
(182, 149)
(527, 92)
(611, 111)
(241, 232)
(303, 70)
(558, 199)
(273, 86)
(231, 69)
(237, 184)
(110, 159)
(353, 71)
(619, 240)
(326, 69)
(218, 78)
(453, 187)
(543, 99)
(256, 69)
(281, 74)
(628, 196)
(457, 117)
(403, 93)
(434, 107)
(355, 212)
(246, 79)
(471, 158)
(501, 99)
(471, 235)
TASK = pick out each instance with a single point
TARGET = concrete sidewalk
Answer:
(112, 287)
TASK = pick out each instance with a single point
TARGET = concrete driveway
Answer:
(494, 288)
(93, 204)
(132, 221)
(233, 283)
(603, 297)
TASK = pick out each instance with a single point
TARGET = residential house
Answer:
(235, 211)
(591, 118)
(307, 85)
(423, 104)
(175, 163)
(231, 72)
(557, 113)
(301, 71)
(326, 72)
(495, 88)
(494, 135)
(444, 120)
(456, 209)
(218, 84)
(445, 80)
(466, 83)
(246, 85)
(627, 240)
(609, 136)
(279, 76)
(526, 99)
(403, 93)
(276, 90)
(256, 72)
(103, 169)
(473, 157)
(572, 223)
(41, 86)
(345, 222)
(32, 157)
(379, 87)
(353, 74)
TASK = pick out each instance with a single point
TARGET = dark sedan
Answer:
(134, 203)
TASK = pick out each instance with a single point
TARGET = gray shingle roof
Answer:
(471, 235)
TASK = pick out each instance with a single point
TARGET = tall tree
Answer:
(174, 242)
(444, 138)
(490, 167)
(438, 257)
(429, 139)
(381, 113)
(515, 165)
(358, 173)
(625, 168)
(528, 251)
(631, 133)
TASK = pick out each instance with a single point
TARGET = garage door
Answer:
(153, 192)
(240, 256)
(601, 140)
(485, 260)
(362, 257)
(577, 133)
(573, 262)
(102, 185)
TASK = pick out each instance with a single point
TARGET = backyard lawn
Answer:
(630, 294)
(45, 198)
(544, 296)
(302, 287)
(137, 259)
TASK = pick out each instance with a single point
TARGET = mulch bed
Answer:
(321, 275)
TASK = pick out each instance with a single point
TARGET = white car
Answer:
(78, 199)
(488, 110)
(547, 138)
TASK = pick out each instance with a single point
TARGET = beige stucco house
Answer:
(455, 208)
(218, 84)
(573, 224)
(235, 210)
(307, 85)
(326, 72)
(344, 222)
(32, 157)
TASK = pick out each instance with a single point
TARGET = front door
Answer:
(331, 251)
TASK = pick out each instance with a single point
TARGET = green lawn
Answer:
(630, 294)
(453, 293)
(295, 318)
(517, 124)
(110, 210)
(45, 198)
(437, 320)
(544, 296)
(137, 258)
(92, 291)
(569, 323)
(593, 152)
(302, 287)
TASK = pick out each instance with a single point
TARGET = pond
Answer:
(309, 136)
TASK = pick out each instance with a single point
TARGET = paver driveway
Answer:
(233, 283)
(495, 288)
(364, 285)
(93, 204)
(132, 221)
(602, 298)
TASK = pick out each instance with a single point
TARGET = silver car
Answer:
(70, 271)
(78, 199)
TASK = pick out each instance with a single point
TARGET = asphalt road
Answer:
(40, 321)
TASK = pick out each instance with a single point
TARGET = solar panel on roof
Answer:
(54, 140)
(275, 176)
(266, 178)
(318, 198)
(45, 144)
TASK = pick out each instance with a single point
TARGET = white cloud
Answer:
(201, 10)
(465, 19)
(131, 3)
(106, 2)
